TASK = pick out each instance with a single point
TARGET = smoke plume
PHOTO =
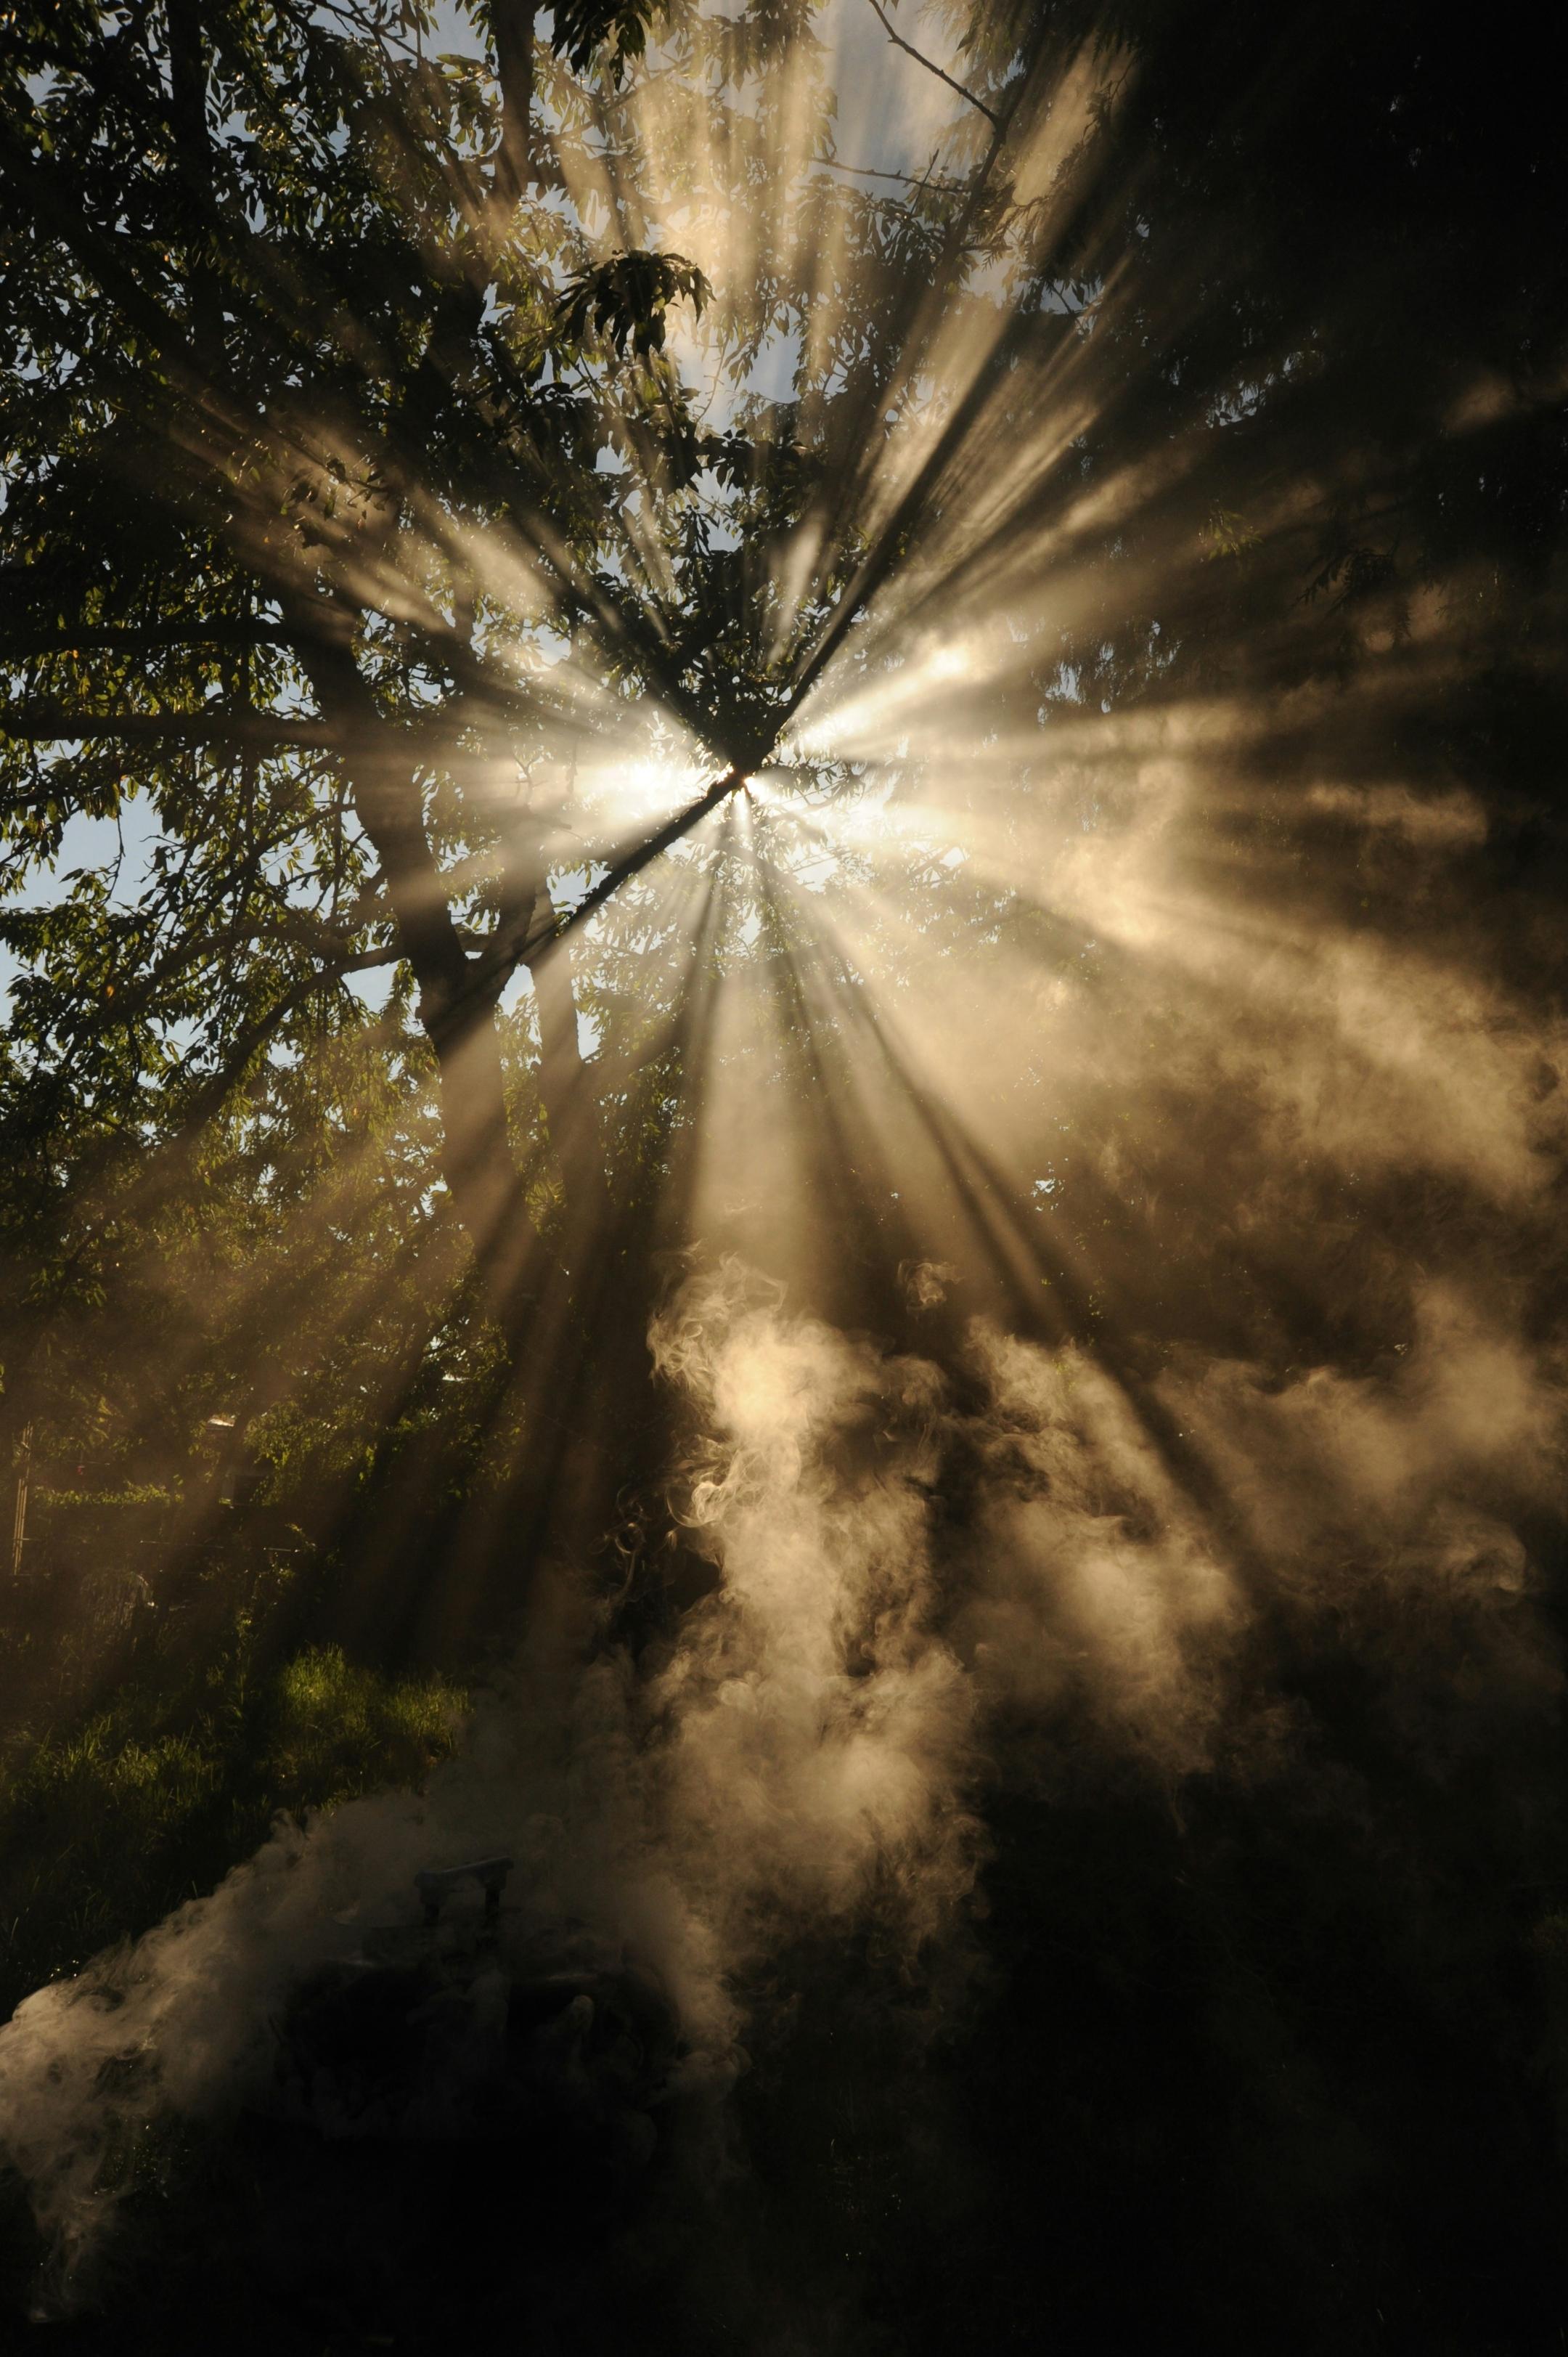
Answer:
(921, 1581)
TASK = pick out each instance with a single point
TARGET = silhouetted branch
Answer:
(17, 645)
(931, 67)
(631, 864)
(905, 179)
(210, 1093)
(53, 724)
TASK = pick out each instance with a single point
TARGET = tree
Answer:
(287, 342)
(333, 410)
(1131, 517)
(345, 400)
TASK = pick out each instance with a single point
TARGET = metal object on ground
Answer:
(483, 2031)
(19, 1527)
(437, 1883)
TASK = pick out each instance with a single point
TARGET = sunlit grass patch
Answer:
(340, 1730)
(106, 1825)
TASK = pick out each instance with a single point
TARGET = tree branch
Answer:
(931, 67)
(52, 724)
(631, 864)
(210, 1093)
(17, 645)
(908, 179)
(511, 30)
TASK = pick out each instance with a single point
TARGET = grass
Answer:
(141, 1797)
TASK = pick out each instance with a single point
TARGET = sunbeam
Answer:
(780, 892)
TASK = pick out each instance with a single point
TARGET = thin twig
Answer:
(909, 179)
(931, 67)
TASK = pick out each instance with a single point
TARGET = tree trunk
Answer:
(455, 1007)
(511, 29)
(566, 1091)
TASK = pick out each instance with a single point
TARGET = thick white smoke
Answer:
(821, 1731)
(1381, 1513)
(900, 1580)
(799, 1757)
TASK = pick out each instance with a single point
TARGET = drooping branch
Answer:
(211, 1093)
(296, 928)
